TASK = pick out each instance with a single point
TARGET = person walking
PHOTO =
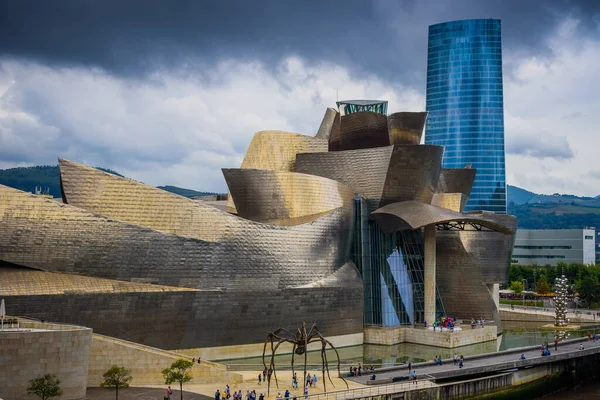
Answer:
(286, 394)
(227, 392)
(314, 380)
(169, 392)
(217, 395)
(555, 344)
(455, 357)
(461, 361)
(409, 367)
(259, 378)
(306, 392)
(265, 374)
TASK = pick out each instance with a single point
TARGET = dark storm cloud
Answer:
(387, 38)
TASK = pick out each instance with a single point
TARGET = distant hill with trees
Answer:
(557, 211)
(47, 179)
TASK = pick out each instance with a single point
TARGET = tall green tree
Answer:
(178, 372)
(116, 377)
(45, 387)
(588, 289)
(516, 286)
(542, 286)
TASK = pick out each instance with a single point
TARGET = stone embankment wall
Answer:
(146, 363)
(48, 349)
(395, 335)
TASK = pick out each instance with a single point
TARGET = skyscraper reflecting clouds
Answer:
(465, 104)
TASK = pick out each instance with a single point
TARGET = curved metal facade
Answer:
(414, 215)
(457, 180)
(382, 175)
(362, 130)
(44, 234)
(406, 127)
(284, 198)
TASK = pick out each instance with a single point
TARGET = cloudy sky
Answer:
(168, 92)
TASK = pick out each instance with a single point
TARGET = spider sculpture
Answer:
(300, 341)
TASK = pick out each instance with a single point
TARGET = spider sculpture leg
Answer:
(318, 336)
(324, 363)
(293, 353)
(338, 358)
(271, 336)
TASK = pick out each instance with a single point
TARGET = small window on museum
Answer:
(589, 237)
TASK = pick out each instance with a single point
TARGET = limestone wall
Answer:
(146, 363)
(256, 349)
(29, 354)
(395, 335)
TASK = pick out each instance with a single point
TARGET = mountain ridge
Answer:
(47, 179)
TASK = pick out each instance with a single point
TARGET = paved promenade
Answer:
(581, 316)
(486, 362)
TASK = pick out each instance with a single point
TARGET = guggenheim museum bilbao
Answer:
(357, 225)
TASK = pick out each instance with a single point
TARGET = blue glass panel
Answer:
(465, 104)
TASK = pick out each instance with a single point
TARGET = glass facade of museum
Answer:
(392, 269)
(354, 106)
(465, 104)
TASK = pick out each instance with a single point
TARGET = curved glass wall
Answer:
(392, 268)
(465, 104)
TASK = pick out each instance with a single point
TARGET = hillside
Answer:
(557, 211)
(520, 196)
(47, 178)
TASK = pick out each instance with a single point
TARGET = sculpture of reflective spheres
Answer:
(138, 263)
(560, 301)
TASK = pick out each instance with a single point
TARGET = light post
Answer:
(524, 283)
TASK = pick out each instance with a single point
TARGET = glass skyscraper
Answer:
(465, 104)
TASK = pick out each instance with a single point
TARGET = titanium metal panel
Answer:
(330, 124)
(415, 215)
(450, 201)
(294, 279)
(276, 150)
(460, 279)
(381, 175)
(413, 173)
(406, 127)
(195, 319)
(47, 235)
(457, 180)
(362, 130)
(284, 198)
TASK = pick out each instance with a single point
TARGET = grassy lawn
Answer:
(529, 303)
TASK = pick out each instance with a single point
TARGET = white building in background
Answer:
(551, 246)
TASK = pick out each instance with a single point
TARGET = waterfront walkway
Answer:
(485, 363)
(581, 316)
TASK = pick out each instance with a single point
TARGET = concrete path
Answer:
(477, 364)
(135, 393)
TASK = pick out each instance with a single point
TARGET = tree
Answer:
(178, 372)
(116, 377)
(542, 286)
(45, 387)
(516, 286)
(589, 289)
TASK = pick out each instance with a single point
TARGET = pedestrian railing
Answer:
(374, 390)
